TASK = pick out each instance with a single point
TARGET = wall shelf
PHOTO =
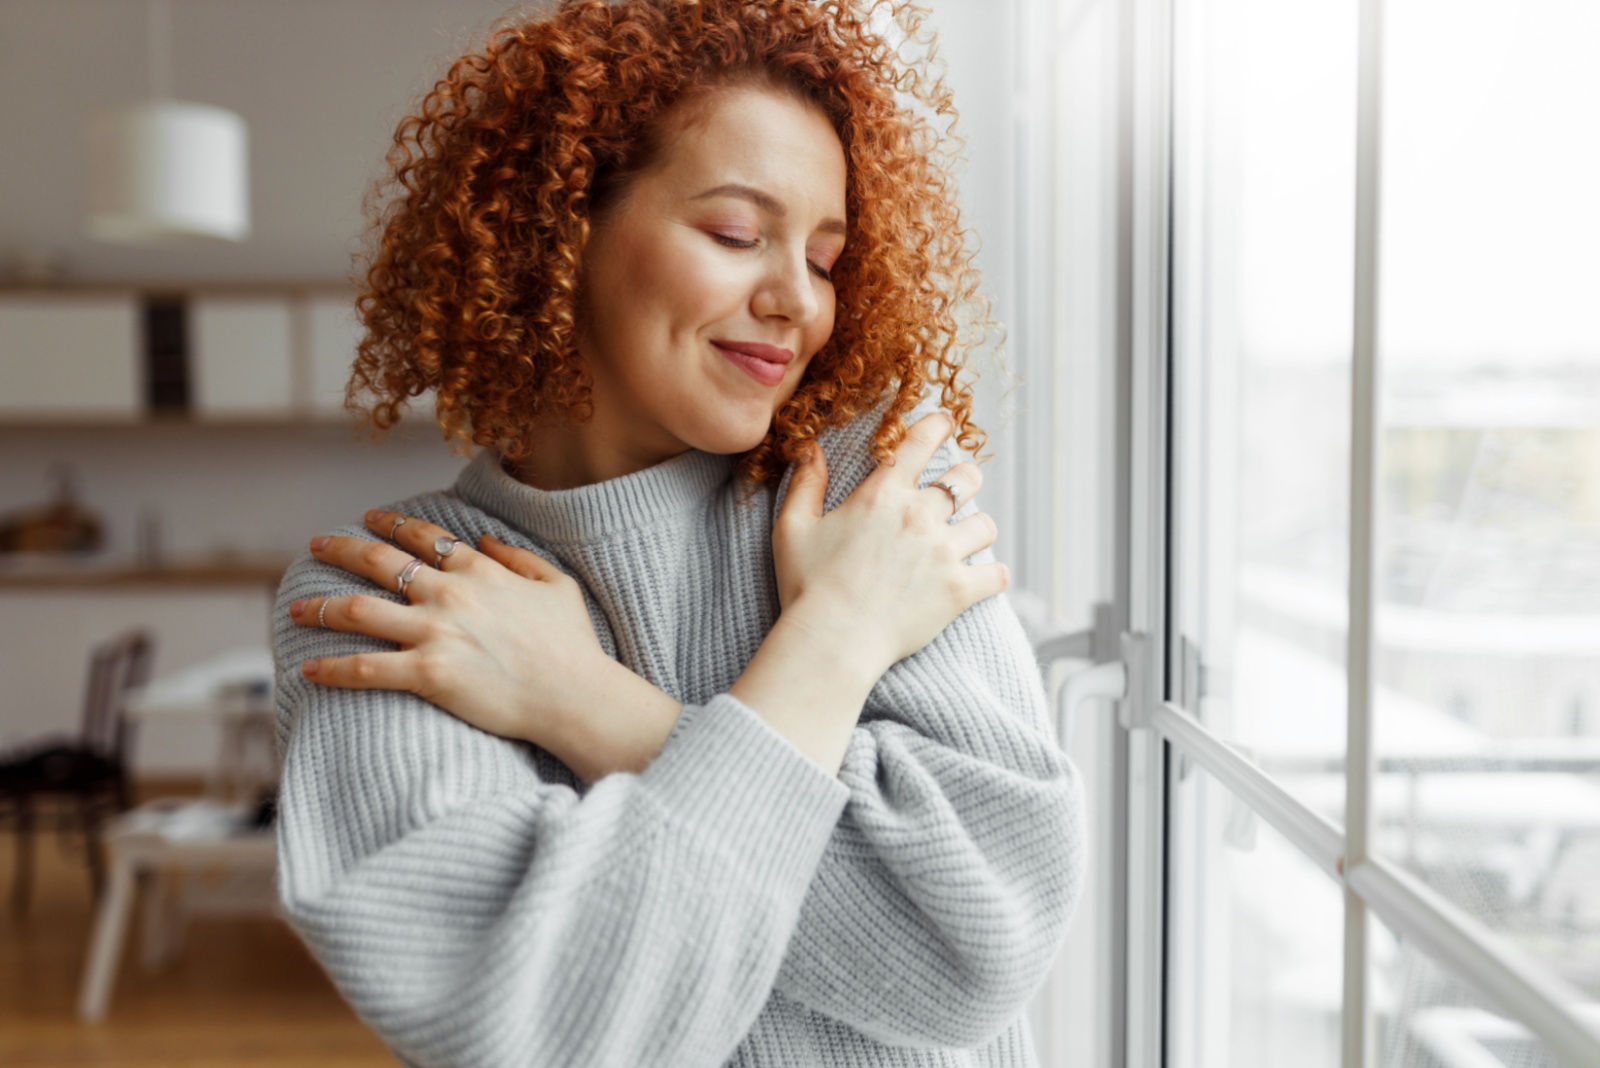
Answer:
(41, 572)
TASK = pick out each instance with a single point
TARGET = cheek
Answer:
(822, 329)
(664, 286)
(696, 282)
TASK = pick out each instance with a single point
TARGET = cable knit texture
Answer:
(734, 904)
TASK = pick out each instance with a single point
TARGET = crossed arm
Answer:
(944, 887)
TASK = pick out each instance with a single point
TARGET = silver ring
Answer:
(955, 496)
(322, 615)
(397, 521)
(443, 547)
(402, 580)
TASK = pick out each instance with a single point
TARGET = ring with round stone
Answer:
(443, 547)
(397, 521)
(407, 573)
(955, 496)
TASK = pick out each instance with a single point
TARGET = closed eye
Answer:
(735, 242)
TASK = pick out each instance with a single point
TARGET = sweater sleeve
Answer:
(476, 913)
(943, 896)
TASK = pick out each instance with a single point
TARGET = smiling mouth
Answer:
(764, 363)
(769, 353)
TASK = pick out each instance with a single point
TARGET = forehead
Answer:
(764, 138)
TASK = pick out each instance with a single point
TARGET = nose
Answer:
(787, 290)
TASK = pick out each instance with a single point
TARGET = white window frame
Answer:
(1128, 642)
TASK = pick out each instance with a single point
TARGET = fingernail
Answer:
(374, 515)
(318, 542)
(296, 608)
(309, 667)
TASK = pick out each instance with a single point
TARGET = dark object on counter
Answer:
(85, 777)
(63, 526)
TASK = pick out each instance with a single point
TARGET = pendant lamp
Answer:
(164, 171)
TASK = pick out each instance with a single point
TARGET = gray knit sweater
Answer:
(733, 904)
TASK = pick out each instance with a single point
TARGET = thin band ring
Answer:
(322, 614)
(443, 547)
(397, 521)
(402, 580)
(955, 496)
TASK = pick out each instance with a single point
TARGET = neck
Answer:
(565, 455)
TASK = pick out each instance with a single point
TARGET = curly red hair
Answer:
(472, 283)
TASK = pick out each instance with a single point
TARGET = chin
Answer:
(728, 439)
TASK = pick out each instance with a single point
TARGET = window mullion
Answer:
(1146, 161)
(1357, 1023)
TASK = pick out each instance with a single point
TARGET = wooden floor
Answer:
(243, 992)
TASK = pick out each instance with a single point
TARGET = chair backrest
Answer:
(117, 666)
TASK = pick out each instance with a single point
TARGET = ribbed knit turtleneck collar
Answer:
(672, 488)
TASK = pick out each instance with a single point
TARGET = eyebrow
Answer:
(765, 202)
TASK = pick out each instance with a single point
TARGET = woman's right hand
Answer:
(885, 569)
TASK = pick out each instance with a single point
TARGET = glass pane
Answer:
(1426, 1015)
(1263, 245)
(1256, 941)
(1489, 613)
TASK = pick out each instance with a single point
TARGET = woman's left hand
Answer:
(497, 636)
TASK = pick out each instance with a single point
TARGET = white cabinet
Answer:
(259, 356)
(241, 356)
(332, 333)
(71, 356)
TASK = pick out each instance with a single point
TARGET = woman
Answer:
(682, 732)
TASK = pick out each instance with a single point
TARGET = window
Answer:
(1314, 284)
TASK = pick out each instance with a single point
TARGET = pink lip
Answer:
(770, 353)
(764, 363)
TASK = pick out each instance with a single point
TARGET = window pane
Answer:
(1257, 932)
(1426, 1015)
(1489, 610)
(1264, 224)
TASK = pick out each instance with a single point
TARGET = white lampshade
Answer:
(163, 170)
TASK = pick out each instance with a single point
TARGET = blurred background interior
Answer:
(1167, 196)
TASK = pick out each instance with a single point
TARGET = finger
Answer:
(363, 671)
(359, 614)
(965, 478)
(421, 539)
(986, 580)
(808, 486)
(922, 440)
(375, 560)
(529, 565)
(974, 534)
(953, 490)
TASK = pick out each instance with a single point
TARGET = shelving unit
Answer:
(138, 355)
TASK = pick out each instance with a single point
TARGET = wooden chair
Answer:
(85, 778)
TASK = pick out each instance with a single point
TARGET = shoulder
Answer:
(848, 450)
(310, 577)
